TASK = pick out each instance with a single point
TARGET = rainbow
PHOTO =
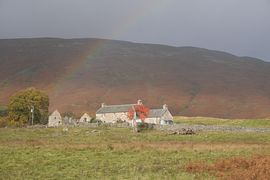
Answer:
(145, 8)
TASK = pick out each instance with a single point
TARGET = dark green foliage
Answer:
(96, 121)
(144, 126)
(3, 111)
(69, 114)
(20, 105)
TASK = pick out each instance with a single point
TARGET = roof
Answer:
(115, 108)
(56, 113)
(85, 115)
(156, 112)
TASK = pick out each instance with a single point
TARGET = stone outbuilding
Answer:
(55, 119)
(85, 118)
(160, 116)
(69, 121)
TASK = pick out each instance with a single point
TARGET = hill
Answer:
(80, 74)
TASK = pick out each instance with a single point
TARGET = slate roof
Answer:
(115, 108)
(156, 112)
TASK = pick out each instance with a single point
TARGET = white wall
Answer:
(82, 119)
(167, 116)
(153, 120)
(54, 121)
(112, 117)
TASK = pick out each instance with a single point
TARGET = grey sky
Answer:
(241, 27)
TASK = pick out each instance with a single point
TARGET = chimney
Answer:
(139, 102)
(165, 106)
(102, 104)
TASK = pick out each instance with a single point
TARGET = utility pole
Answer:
(135, 126)
(32, 111)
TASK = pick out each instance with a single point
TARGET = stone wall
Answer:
(198, 128)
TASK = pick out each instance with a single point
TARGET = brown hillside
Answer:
(79, 74)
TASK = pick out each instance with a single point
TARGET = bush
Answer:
(69, 114)
(3, 122)
(3, 111)
(96, 121)
(144, 126)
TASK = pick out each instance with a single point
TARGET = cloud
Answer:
(241, 27)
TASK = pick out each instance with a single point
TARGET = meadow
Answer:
(253, 123)
(119, 153)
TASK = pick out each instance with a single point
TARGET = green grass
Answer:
(116, 153)
(259, 123)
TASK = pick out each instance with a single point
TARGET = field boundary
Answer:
(174, 127)
(196, 128)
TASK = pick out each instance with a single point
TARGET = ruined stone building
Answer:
(55, 119)
(85, 118)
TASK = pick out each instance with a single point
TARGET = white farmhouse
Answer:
(119, 113)
(85, 118)
(55, 119)
(113, 113)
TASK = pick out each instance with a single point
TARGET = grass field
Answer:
(118, 153)
(259, 123)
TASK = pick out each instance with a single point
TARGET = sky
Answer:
(240, 27)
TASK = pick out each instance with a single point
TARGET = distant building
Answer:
(119, 113)
(55, 119)
(160, 116)
(113, 113)
(85, 118)
(69, 121)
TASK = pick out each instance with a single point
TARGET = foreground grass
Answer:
(115, 153)
(255, 123)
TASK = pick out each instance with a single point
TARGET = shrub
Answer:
(3, 111)
(3, 121)
(144, 126)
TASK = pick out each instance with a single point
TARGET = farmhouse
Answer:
(113, 113)
(55, 119)
(85, 118)
(119, 113)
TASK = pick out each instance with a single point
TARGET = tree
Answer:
(3, 111)
(138, 111)
(21, 103)
(69, 114)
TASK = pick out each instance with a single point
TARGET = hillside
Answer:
(80, 74)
